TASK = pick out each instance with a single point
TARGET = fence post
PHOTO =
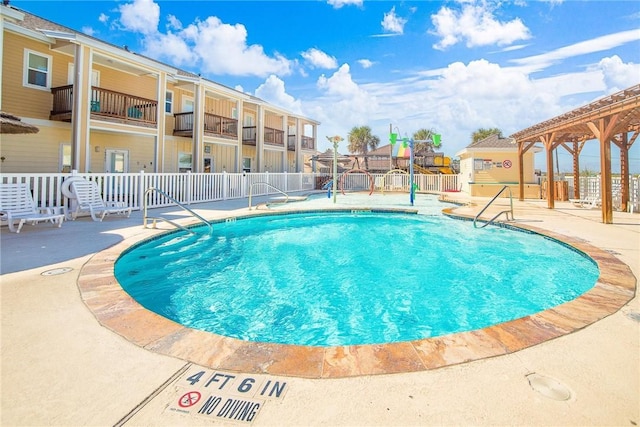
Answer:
(141, 189)
(189, 188)
(225, 185)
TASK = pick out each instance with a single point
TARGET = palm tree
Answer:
(423, 135)
(482, 133)
(361, 141)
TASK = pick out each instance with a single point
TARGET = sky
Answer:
(448, 66)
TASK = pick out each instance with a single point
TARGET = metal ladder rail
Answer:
(268, 185)
(175, 224)
(507, 212)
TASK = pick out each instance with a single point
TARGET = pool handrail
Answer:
(268, 185)
(145, 217)
(507, 212)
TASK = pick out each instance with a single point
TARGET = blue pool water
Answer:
(328, 279)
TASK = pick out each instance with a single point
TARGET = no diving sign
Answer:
(507, 164)
(189, 399)
(225, 396)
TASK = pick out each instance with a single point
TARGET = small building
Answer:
(491, 163)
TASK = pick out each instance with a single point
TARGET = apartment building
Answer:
(103, 108)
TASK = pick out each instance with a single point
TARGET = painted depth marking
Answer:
(225, 396)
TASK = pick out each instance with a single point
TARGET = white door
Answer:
(117, 161)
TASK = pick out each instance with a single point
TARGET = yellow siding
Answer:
(273, 161)
(291, 161)
(173, 146)
(497, 172)
(224, 158)
(26, 101)
(117, 81)
(140, 150)
(223, 108)
(34, 153)
(272, 121)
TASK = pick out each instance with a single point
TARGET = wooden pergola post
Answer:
(603, 129)
(624, 143)
(547, 140)
(521, 152)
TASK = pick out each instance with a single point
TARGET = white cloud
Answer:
(202, 44)
(342, 103)
(598, 44)
(88, 31)
(337, 4)
(476, 26)
(222, 49)
(391, 23)
(365, 63)
(273, 91)
(318, 59)
(103, 18)
(618, 75)
(140, 16)
(170, 46)
(208, 46)
(174, 23)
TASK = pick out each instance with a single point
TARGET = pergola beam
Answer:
(616, 114)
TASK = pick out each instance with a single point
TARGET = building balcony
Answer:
(271, 136)
(107, 105)
(306, 143)
(214, 125)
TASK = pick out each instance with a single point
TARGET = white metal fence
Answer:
(189, 188)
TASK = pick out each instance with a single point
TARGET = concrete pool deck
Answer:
(60, 366)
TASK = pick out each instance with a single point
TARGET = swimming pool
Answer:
(352, 277)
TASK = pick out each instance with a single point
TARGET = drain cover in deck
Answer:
(56, 271)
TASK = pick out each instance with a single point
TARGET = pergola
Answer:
(614, 118)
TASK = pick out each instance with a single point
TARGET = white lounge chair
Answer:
(17, 205)
(589, 203)
(89, 199)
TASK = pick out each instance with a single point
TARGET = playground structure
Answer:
(439, 164)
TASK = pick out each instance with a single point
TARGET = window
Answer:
(168, 103)
(234, 113)
(184, 161)
(37, 70)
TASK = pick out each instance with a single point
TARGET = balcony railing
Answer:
(107, 105)
(306, 143)
(274, 136)
(213, 125)
(271, 136)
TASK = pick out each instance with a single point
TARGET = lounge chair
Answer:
(89, 199)
(17, 205)
(588, 203)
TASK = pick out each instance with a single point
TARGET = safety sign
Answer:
(223, 395)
